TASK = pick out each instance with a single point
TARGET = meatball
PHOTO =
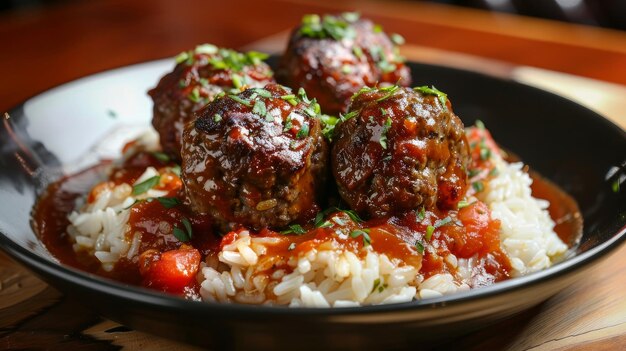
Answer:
(332, 58)
(400, 149)
(199, 75)
(256, 158)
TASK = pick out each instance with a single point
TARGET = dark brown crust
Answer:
(173, 107)
(424, 162)
(234, 164)
(330, 71)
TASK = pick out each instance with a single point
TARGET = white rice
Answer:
(101, 227)
(527, 232)
(328, 276)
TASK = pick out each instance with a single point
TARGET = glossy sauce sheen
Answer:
(397, 237)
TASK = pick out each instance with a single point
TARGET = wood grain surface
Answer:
(46, 48)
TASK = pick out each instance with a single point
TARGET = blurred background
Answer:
(602, 13)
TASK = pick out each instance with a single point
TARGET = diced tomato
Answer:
(228, 239)
(171, 271)
(481, 231)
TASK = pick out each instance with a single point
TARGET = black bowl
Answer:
(574, 147)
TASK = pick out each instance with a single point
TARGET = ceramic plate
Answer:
(69, 127)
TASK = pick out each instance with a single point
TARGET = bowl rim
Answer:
(143, 296)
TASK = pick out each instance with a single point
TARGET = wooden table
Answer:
(41, 49)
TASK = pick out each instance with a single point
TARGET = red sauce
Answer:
(422, 239)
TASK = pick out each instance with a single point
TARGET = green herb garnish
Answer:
(303, 132)
(240, 100)
(376, 284)
(364, 233)
(383, 133)
(264, 93)
(294, 229)
(185, 234)
(479, 124)
(397, 39)
(168, 202)
(429, 232)
(161, 156)
(194, 96)
(478, 186)
(421, 214)
(462, 204)
(146, 185)
(290, 98)
(259, 108)
(443, 97)
(329, 26)
(420, 247)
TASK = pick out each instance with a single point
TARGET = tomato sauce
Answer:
(421, 238)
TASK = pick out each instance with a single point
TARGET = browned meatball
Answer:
(199, 75)
(256, 158)
(399, 149)
(332, 58)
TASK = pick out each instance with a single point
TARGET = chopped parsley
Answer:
(146, 185)
(259, 108)
(364, 233)
(263, 93)
(182, 57)
(194, 96)
(429, 232)
(478, 186)
(168, 202)
(442, 222)
(161, 156)
(421, 215)
(237, 83)
(221, 58)
(240, 100)
(357, 51)
(329, 123)
(288, 123)
(334, 27)
(376, 285)
(485, 153)
(383, 133)
(420, 247)
(348, 115)
(294, 229)
(351, 16)
(397, 39)
(462, 204)
(353, 215)
(389, 90)
(443, 97)
(217, 117)
(479, 124)
(290, 98)
(206, 49)
(185, 234)
(473, 172)
(303, 132)
(346, 69)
